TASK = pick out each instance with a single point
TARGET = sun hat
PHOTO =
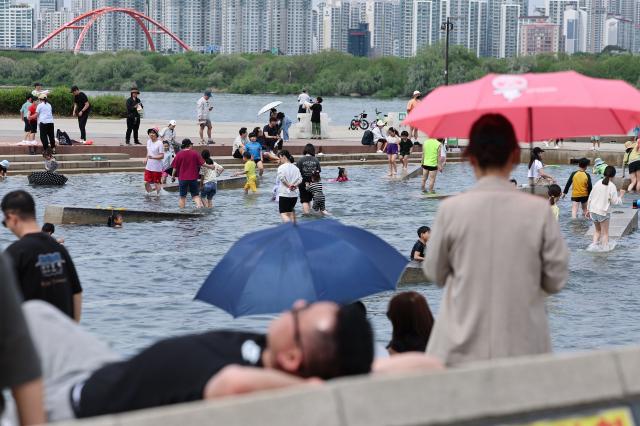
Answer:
(416, 92)
(598, 162)
(172, 123)
(380, 123)
(629, 144)
(5, 164)
(42, 96)
(135, 90)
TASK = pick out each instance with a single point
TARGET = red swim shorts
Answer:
(152, 177)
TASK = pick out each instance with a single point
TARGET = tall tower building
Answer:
(555, 11)
(16, 25)
(334, 25)
(299, 27)
(425, 16)
(231, 26)
(596, 17)
(382, 24)
(618, 32)
(118, 31)
(243, 26)
(509, 30)
(478, 22)
(408, 31)
(539, 37)
(49, 21)
(574, 30)
(51, 5)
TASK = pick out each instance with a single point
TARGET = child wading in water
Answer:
(417, 252)
(554, 195)
(315, 187)
(581, 182)
(250, 173)
(342, 175)
(209, 179)
(392, 150)
(169, 155)
(405, 149)
(50, 163)
(603, 195)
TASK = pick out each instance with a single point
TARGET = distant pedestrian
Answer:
(44, 269)
(633, 159)
(250, 172)
(581, 182)
(203, 112)
(602, 197)
(595, 142)
(153, 168)
(283, 126)
(392, 148)
(430, 163)
(169, 155)
(168, 134)
(81, 109)
(418, 250)
(554, 192)
(319, 199)
(316, 111)
(303, 100)
(410, 106)
(29, 129)
(406, 145)
(308, 165)
(134, 106)
(186, 166)
(290, 178)
(44, 114)
(537, 175)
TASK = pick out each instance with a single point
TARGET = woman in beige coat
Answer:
(497, 252)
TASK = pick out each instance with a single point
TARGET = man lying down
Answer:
(84, 378)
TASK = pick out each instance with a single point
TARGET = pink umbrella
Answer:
(539, 106)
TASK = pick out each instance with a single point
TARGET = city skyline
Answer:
(498, 28)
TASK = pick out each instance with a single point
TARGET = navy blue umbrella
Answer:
(267, 271)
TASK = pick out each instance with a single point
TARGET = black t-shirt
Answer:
(316, 109)
(307, 165)
(169, 372)
(45, 271)
(80, 100)
(271, 131)
(419, 248)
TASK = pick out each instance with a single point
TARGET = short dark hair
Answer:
(253, 135)
(186, 142)
(492, 141)
(412, 322)
(20, 203)
(423, 229)
(272, 119)
(319, 99)
(49, 228)
(74, 88)
(513, 181)
(29, 97)
(344, 351)
(583, 163)
(309, 149)
(242, 130)
(404, 133)
(247, 155)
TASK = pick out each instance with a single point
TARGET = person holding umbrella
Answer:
(498, 263)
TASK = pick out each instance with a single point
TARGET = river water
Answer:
(140, 281)
(244, 108)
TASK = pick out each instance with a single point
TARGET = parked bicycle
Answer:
(359, 121)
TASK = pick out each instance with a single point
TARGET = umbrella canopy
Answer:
(268, 106)
(539, 106)
(268, 270)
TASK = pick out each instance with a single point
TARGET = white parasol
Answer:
(268, 106)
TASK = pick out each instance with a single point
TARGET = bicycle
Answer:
(359, 121)
(384, 118)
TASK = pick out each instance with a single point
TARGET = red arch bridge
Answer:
(85, 21)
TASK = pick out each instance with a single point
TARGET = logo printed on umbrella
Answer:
(509, 86)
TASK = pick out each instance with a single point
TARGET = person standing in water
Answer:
(153, 168)
(289, 177)
(430, 163)
(413, 134)
(602, 197)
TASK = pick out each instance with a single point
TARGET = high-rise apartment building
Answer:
(426, 19)
(16, 25)
(509, 30)
(118, 31)
(539, 36)
(50, 5)
(596, 17)
(555, 11)
(334, 20)
(382, 20)
(288, 27)
(478, 19)
(618, 32)
(407, 30)
(49, 21)
(575, 30)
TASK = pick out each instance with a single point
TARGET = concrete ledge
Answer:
(412, 274)
(623, 222)
(505, 391)
(62, 215)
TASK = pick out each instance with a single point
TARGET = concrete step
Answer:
(65, 157)
(81, 164)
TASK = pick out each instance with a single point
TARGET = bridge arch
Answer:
(91, 17)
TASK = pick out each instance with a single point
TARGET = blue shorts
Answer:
(190, 186)
(209, 190)
(598, 218)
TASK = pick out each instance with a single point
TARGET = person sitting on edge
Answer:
(417, 252)
(50, 162)
(168, 134)
(43, 266)
(250, 172)
(581, 182)
(238, 148)
(412, 322)
(319, 341)
(272, 140)
(378, 136)
(4, 167)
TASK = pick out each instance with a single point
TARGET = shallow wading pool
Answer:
(140, 281)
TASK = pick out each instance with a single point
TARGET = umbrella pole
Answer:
(530, 122)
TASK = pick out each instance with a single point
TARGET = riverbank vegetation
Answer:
(326, 73)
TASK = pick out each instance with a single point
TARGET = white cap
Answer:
(380, 123)
(4, 163)
(416, 92)
(172, 123)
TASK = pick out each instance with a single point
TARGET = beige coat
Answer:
(498, 252)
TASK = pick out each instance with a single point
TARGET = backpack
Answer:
(367, 138)
(63, 137)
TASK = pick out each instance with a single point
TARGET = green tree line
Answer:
(326, 73)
